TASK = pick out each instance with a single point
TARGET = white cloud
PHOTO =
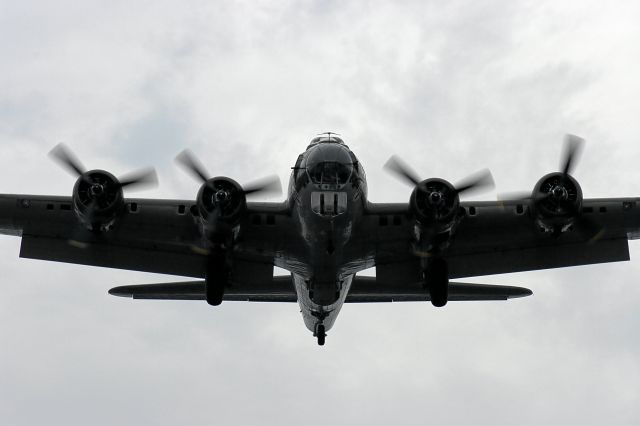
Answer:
(453, 88)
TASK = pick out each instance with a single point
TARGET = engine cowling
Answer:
(97, 199)
(557, 201)
(435, 204)
(221, 202)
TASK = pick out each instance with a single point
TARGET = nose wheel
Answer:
(320, 334)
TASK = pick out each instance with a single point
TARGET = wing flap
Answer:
(500, 261)
(157, 260)
(497, 260)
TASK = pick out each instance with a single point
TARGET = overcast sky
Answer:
(452, 87)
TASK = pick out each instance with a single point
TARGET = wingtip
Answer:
(517, 292)
(120, 292)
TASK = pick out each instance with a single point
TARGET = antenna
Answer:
(328, 134)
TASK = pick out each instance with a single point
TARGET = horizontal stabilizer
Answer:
(368, 289)
(279, 290)
(363, 290)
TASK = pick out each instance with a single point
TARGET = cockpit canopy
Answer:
(329, 163)
(326, 138)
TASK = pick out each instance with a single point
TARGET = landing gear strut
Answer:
(320, 334)
(437, 281)
(216, 279)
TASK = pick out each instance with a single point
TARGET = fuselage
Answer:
(328, 193)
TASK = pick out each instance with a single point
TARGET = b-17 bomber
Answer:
(324, 234)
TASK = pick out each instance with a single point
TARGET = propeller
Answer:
(221, 196)
(573, 147)
(67, 159)
(95, 194)
(481, 180)
(265, 186)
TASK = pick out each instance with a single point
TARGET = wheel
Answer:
(216, 280)
(437, 282)
(320, 333)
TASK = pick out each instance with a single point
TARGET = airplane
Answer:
(324, 234)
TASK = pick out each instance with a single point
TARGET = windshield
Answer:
(330, 172)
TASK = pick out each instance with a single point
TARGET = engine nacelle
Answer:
(221, 203)
(557, 201)
(435, 204)
(97, 199)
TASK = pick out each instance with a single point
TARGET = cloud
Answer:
(452, 88)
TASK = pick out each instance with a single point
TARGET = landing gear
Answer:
(437, 281)
(320, 334)
(216, 280)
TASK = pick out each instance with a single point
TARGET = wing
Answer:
(280, 289)
(159, 236)
(501, 237)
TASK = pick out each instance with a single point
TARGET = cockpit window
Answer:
(329, 164)
(330, 172)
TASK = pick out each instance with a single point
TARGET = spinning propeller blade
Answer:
(265, 186)
(268, 185)
(573, 146)
(142, 178)
(63, 155)
(479, 181)
(192, 165)
(402, 170)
